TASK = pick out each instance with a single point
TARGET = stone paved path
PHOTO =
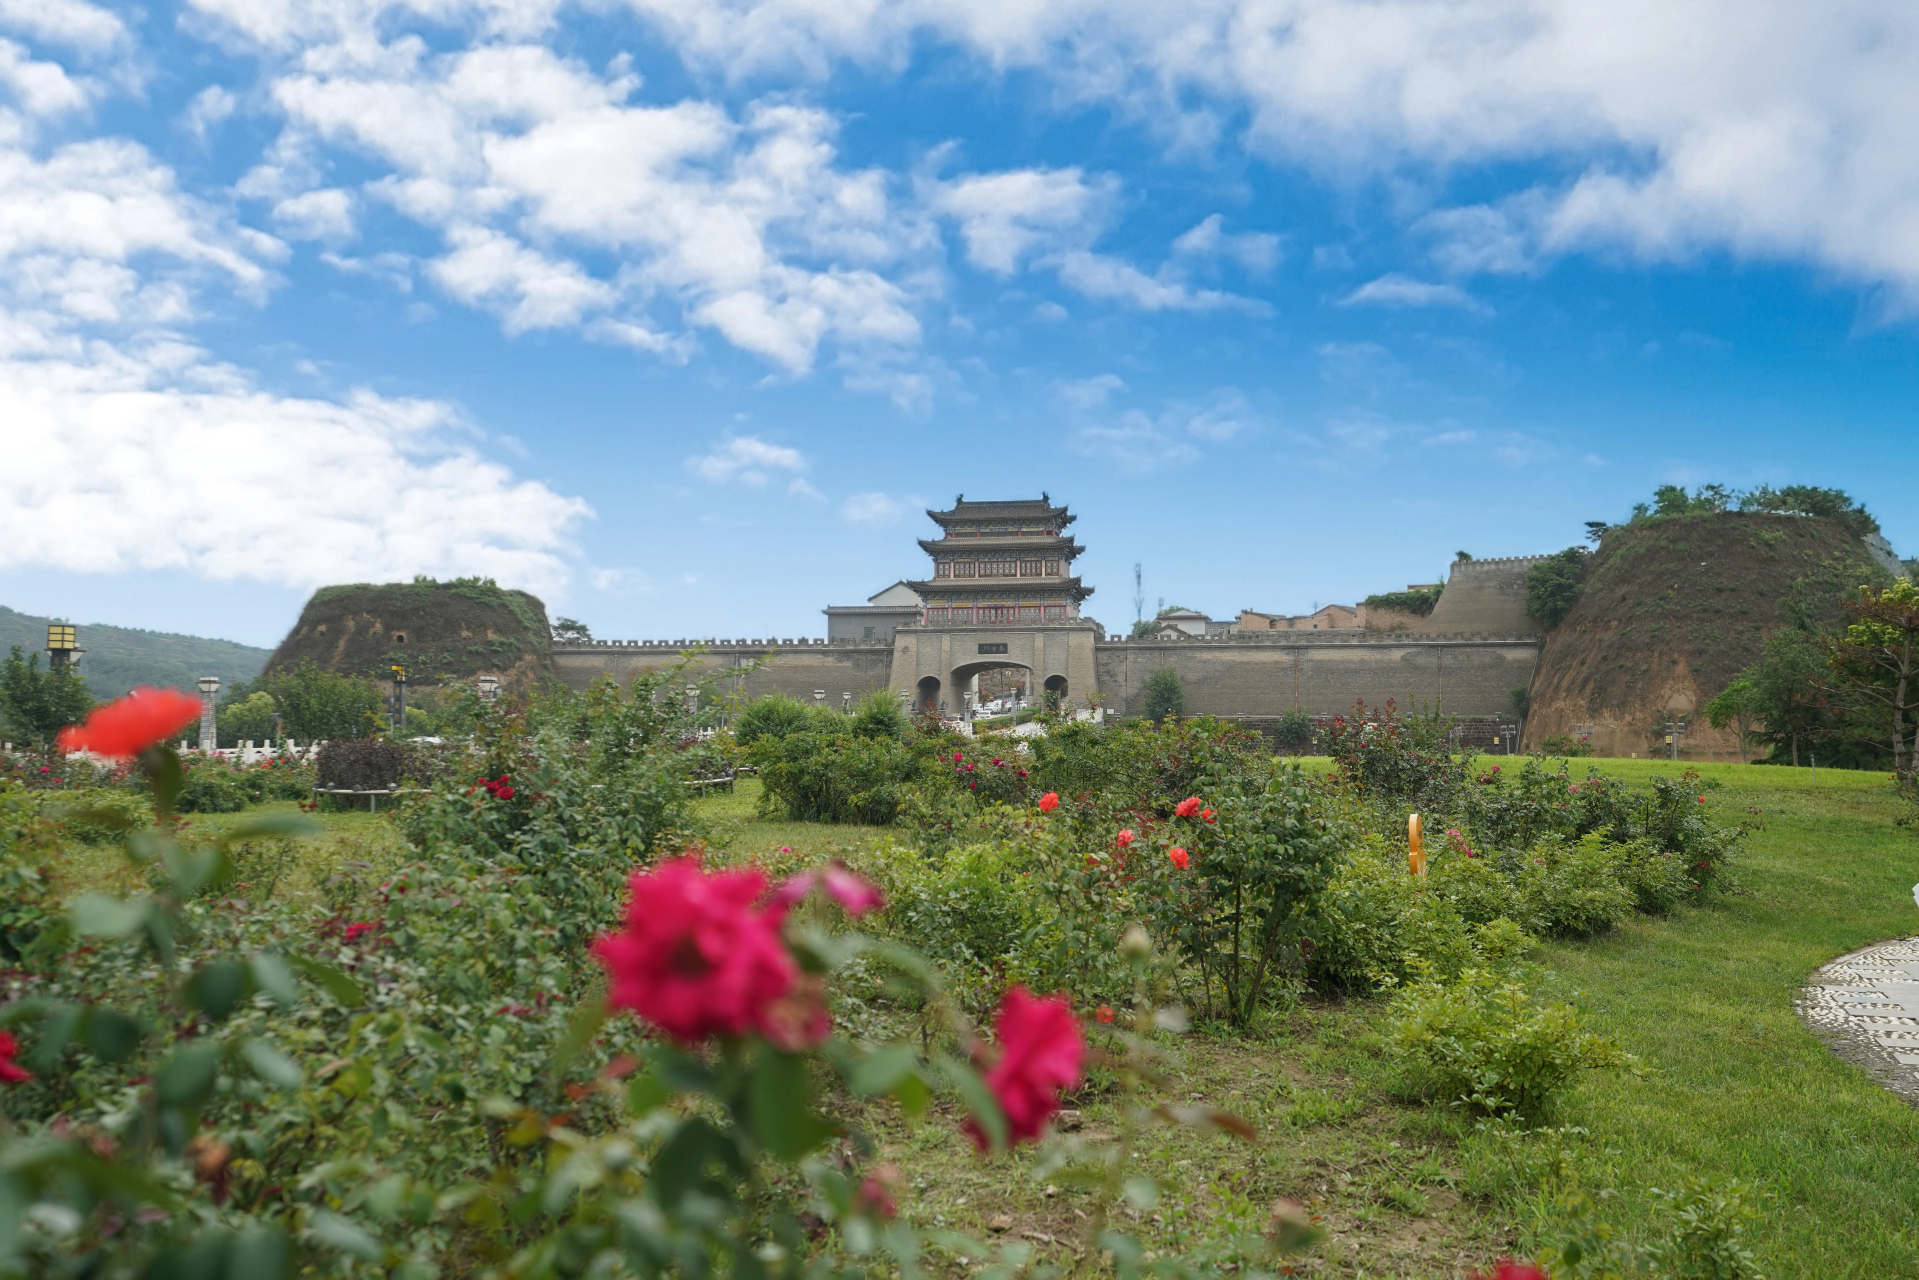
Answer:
(1866, 1006)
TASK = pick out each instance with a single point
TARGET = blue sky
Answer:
(679, 312)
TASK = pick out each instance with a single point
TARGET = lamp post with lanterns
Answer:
(63, 647)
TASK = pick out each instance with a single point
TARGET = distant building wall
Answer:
(1485, 597)
(794, 667)
(1254, 675)
(868, 622)
(1270, 673)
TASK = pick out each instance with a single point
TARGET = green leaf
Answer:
(289, 825)
(1141, 1192)
(187, 1078)
(645, 1092)
(270, 1064)
(344, 1235)
(109, 1035)
(100, 915)
(216, 988)
(260, 1253)
(979, 1100)
(166, 777)
(331, 980)
(59, 1029)
(271, 976)
(780, 1106)
(912, 1094)
(581, 1030)
(882, 1070)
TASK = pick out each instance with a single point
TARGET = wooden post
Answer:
(1416, 847)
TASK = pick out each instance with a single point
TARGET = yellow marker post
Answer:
(1416, 847)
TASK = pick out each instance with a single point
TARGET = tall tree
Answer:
(1876, 661)
(1165, 695)
(1791, 695)
(38, 704)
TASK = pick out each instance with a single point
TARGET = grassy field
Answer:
(1738, 1087)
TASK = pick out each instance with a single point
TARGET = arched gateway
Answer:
(1002, 594)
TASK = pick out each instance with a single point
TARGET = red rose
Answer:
(1209, 815)
(1049, 802)
(1187, 808)
(695, 958)
(354, 931)
(1510, 1270)
(1702, 799)
(856, 895)
(1105, 1013)
(132, 724)
(11, 1072)
(1124, 838)
(1040, 1052)
(1178, 857)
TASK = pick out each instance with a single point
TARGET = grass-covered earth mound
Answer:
(438, 631)
(1672, 609)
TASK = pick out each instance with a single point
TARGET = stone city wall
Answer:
(797, 667)
(1270, 673)
(1253, 675)
(1484, 597)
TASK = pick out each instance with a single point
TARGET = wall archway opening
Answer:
(1055, 692)
(998, 686)
(927, 698)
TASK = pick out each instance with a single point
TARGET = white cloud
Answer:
(209, 108)
(72, 23)
(1135, 443)
(875, 509)
(41, 88)
(158, 459)
(128, 448)
(1255, 251)
(325, 214)
(1005, 217)
(528, 289)
(1770, 128)
(1395, 290)
(619, 581)
(1451, 437)
(1090, 393)
(1099, 276)
(539, 175)
(99, 233)
(747, 459)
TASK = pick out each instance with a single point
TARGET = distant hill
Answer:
(1672, 609)
(120, 658)
(439, 631)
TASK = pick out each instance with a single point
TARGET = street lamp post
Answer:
(846, 704)
(399, 700)
(209, 739)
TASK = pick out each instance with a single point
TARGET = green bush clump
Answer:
(1377, 926)
(969, 909)
(1487, 1040)
(213, 786)
(1570, 889)
(819, 777)
(776, 716)
(100, 814)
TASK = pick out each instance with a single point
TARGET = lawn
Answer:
(1738, 1087)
